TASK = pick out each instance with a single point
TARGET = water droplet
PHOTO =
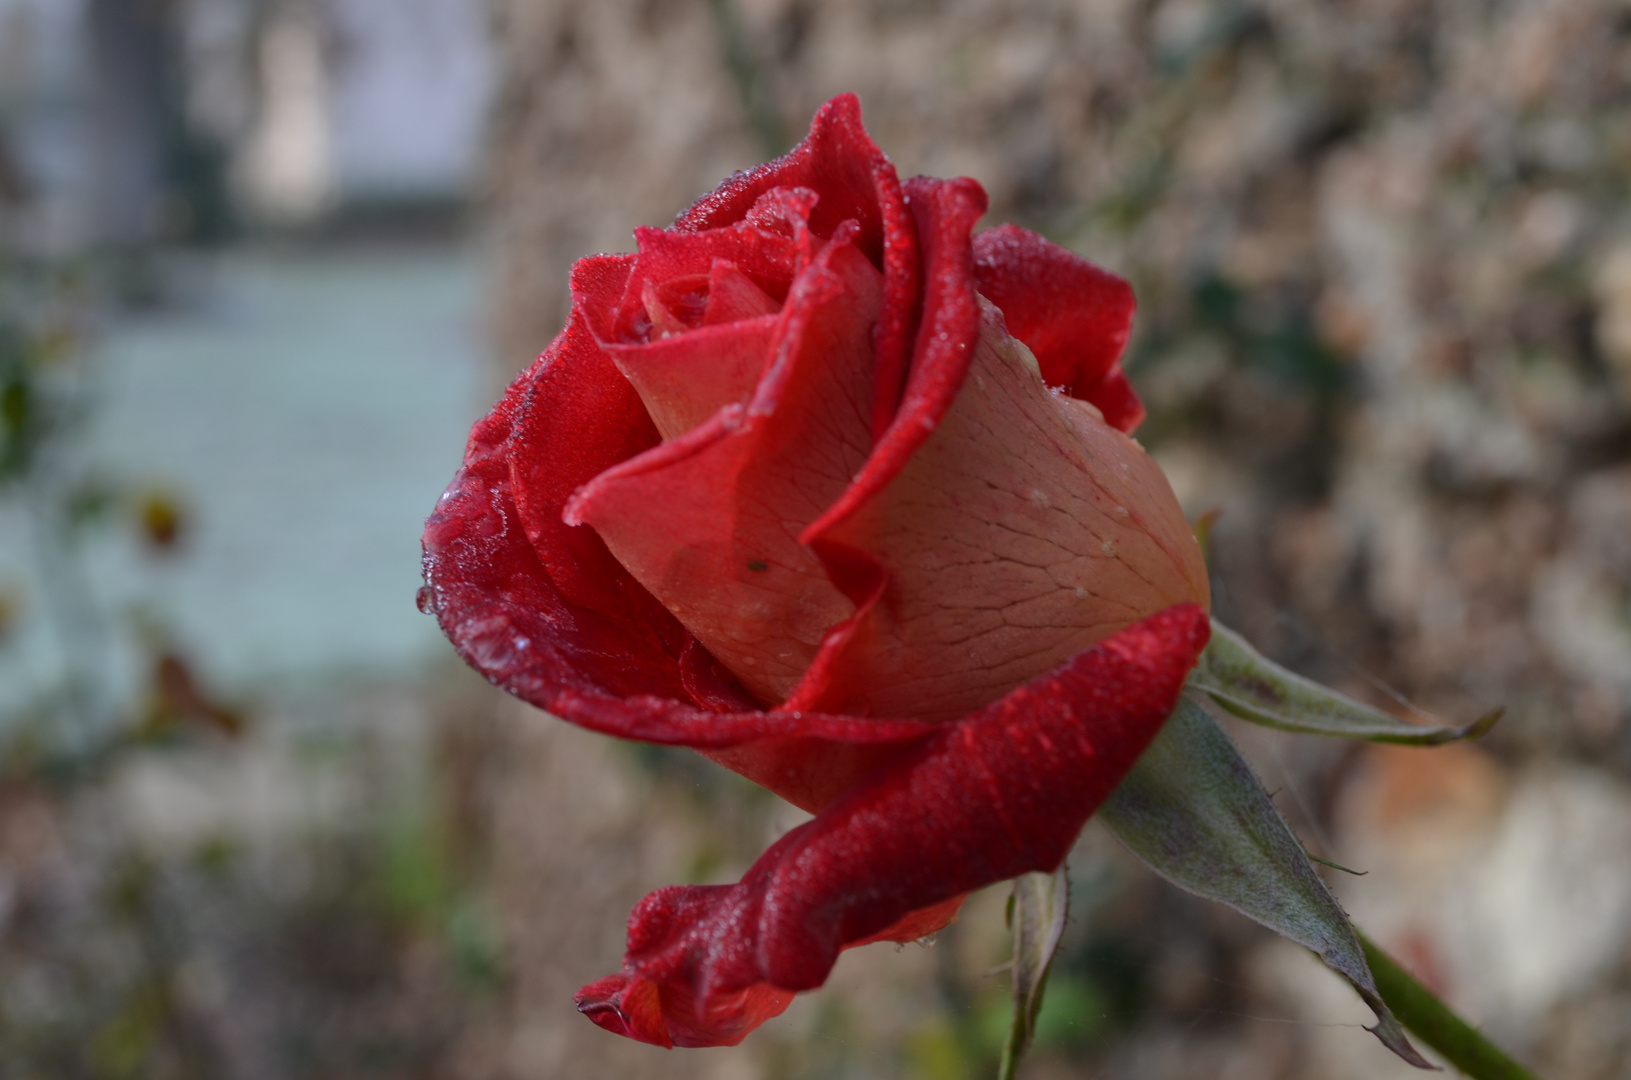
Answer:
(1109, 549)
(426, 600)
(1039, 499)
(1122, 511)
(927, 940)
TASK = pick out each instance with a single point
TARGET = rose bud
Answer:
(839, 493)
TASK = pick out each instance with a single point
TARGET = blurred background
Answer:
(262, 262)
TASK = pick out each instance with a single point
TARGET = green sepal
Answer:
(1253, 687)
(1037, 913)
(1194, 811)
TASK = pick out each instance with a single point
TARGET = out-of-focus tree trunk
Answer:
(132, 50)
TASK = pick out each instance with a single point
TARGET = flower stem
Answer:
(1420, 1010)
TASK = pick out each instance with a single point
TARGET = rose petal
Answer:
(838, 161)
(1021, 532)
(733, 296)
(1073, 316)
(601, 669)
(508, 619)
(855, 182)
(499, 605)
(1036, 529)
(943, 212)
(575, 417)
(686, 378)
(1000, 793)
(687, 368)
(709, 522)
(765, 257)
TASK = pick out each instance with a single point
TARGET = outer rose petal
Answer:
(1073, 316)
(576, 416)
(1000, 793)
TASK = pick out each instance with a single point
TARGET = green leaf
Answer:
(1253, 687)
(1194, 811)
(1037, 914)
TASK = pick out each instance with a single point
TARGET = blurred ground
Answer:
(1383, 255)
(338, 382)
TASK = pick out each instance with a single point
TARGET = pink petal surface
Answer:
(1074, 317)
(997, 528)
(943, 213)
(997, 794)
(1021, 532)
(684, 379)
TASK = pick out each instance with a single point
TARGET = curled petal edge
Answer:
(1000, 793)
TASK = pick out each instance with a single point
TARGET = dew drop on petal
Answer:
(426, 600)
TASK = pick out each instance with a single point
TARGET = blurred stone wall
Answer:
(1382, 250)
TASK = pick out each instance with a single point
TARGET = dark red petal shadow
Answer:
(1000, 793)
(1072, 315)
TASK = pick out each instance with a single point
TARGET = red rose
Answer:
(792, 488)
